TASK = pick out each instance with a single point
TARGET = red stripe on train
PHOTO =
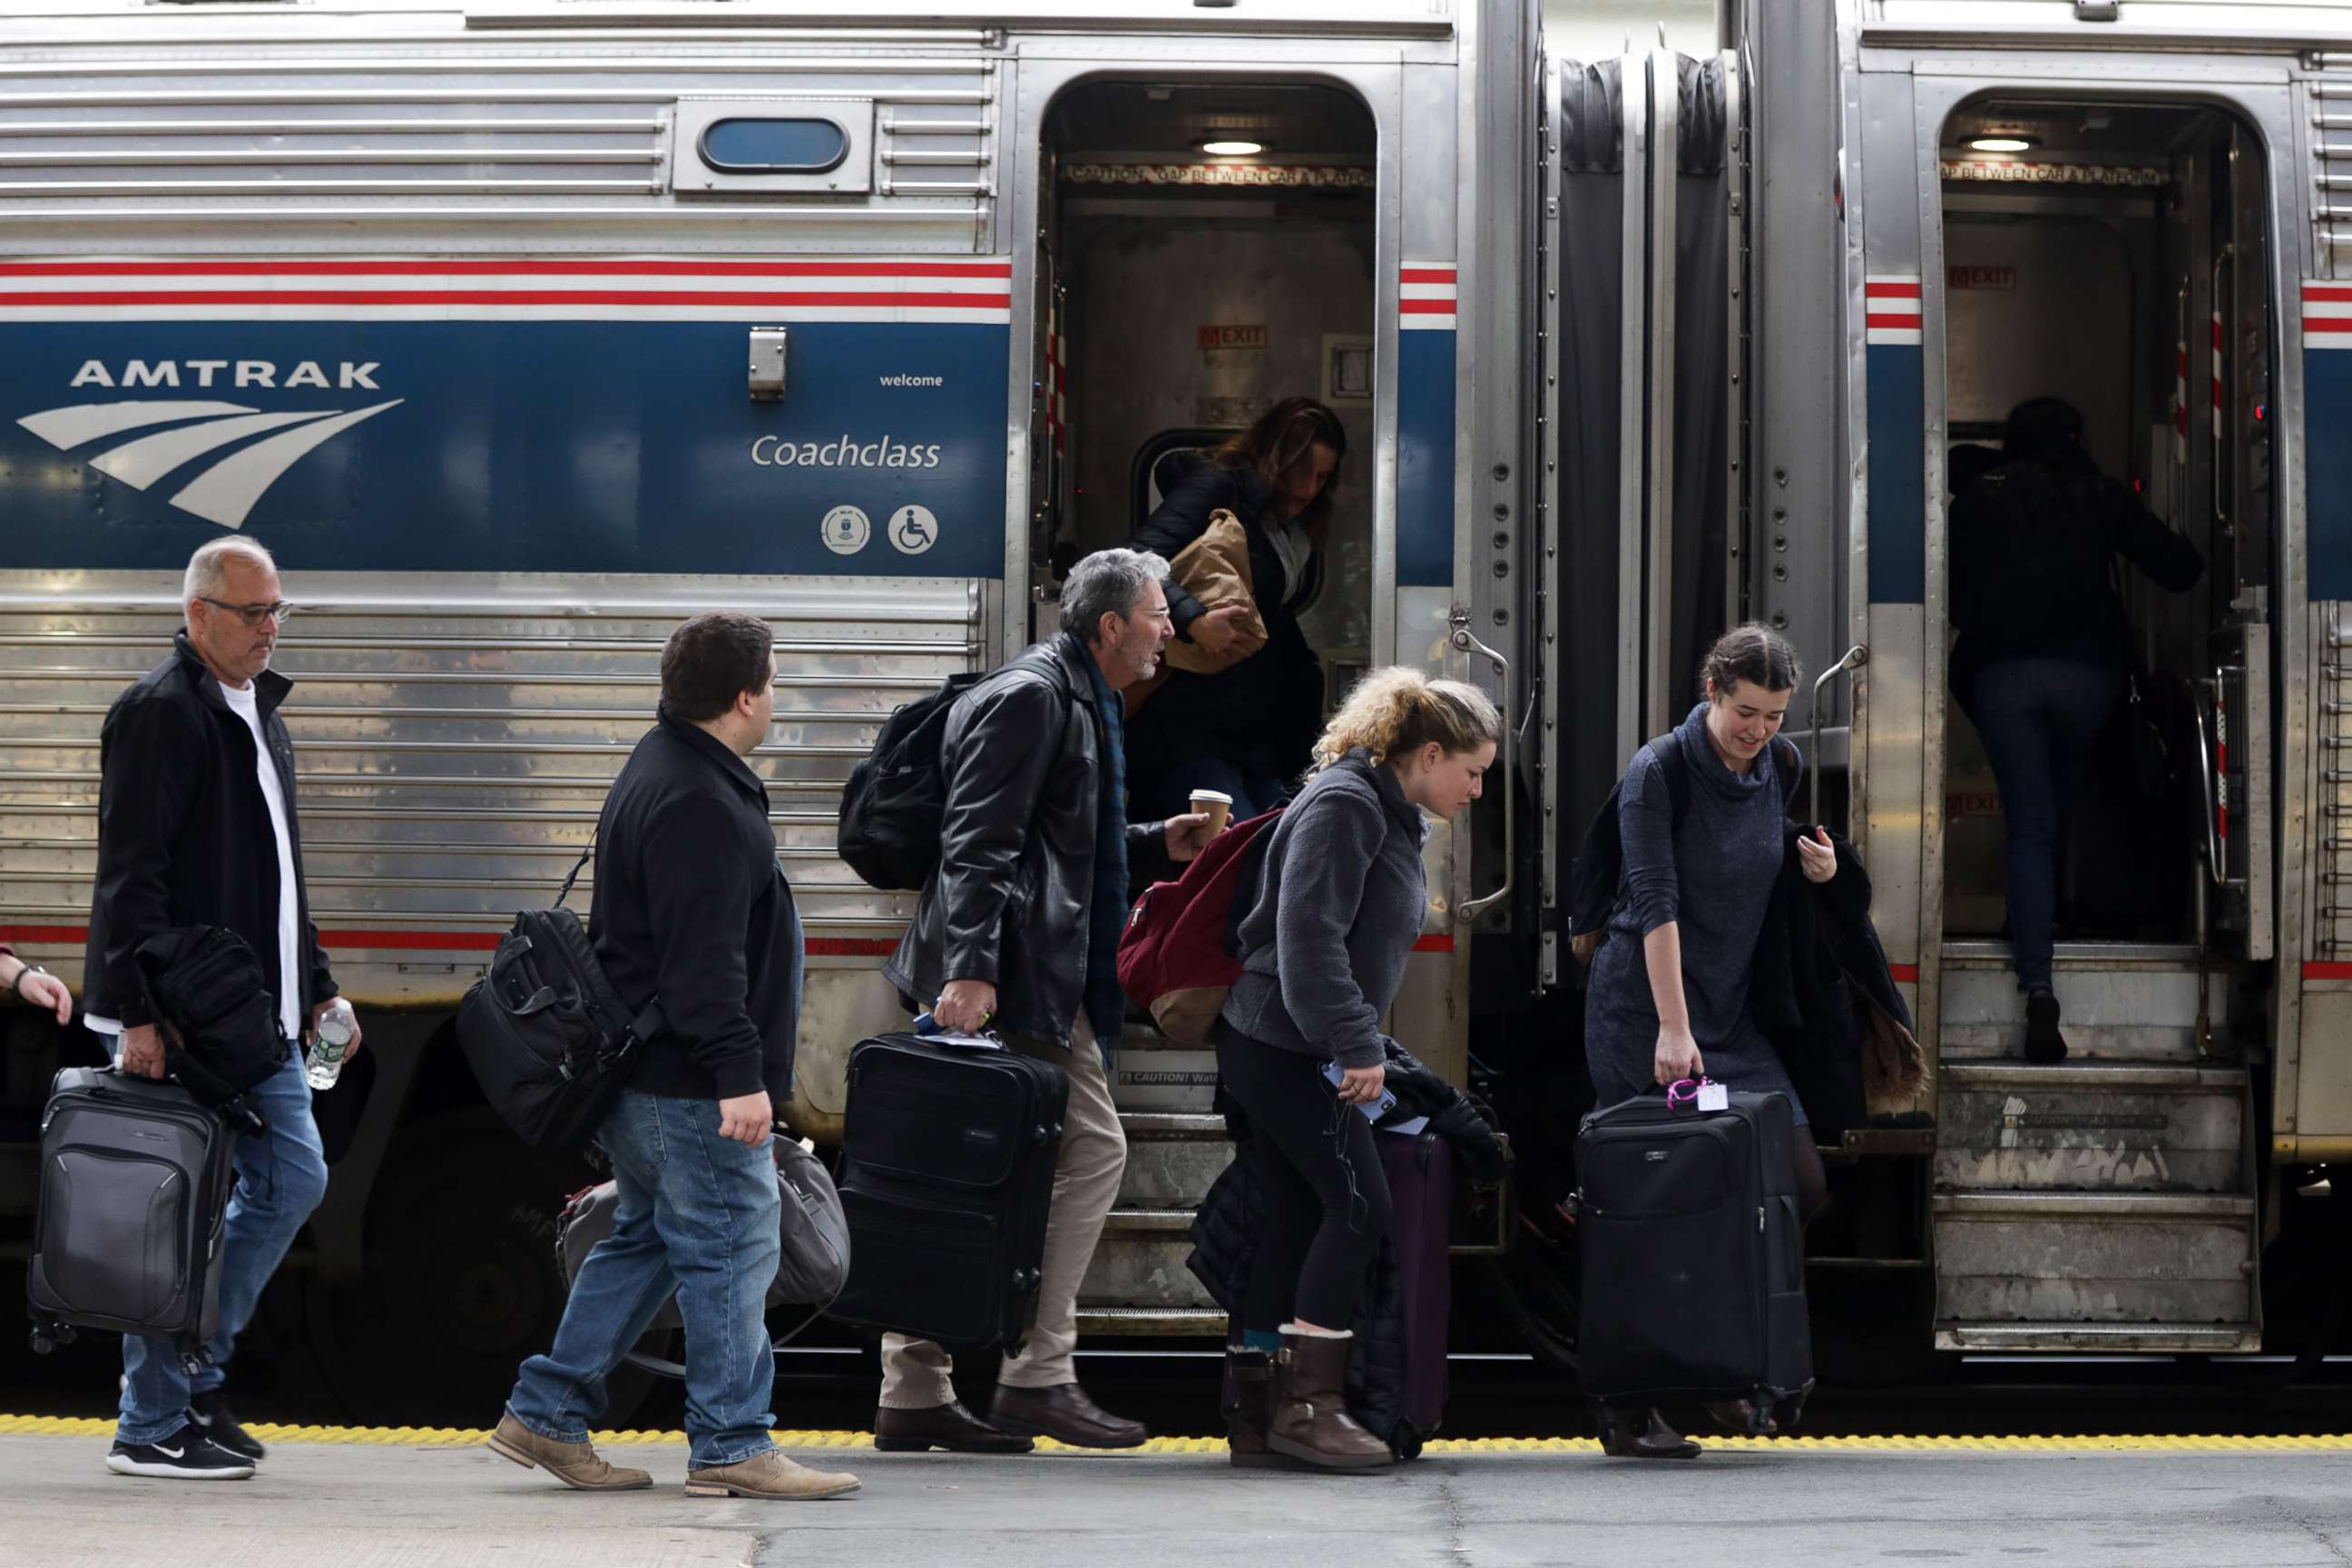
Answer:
(1892, 322)
(765, 299)
(525, 268)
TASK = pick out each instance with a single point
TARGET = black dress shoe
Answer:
(1065, 1414)
(948, 1426)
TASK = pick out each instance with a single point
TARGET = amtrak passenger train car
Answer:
(519, 330)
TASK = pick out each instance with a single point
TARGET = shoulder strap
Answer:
(1676, 769)
(652, 1021)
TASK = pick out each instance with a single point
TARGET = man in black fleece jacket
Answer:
(690, 908)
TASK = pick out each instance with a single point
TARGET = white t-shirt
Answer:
(248, 706)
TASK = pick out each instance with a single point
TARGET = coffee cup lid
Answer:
(1216, 794)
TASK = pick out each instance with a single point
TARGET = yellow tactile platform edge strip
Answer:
(451, 1436)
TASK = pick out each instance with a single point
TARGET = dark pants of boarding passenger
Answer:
(1327, 1201)
(2039, 718)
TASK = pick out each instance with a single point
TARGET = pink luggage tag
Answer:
(1702, 1095)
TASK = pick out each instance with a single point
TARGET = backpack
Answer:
(1595, 879)
(222, 1036)
(546, 1035)
(896, 802)
(1178, 956)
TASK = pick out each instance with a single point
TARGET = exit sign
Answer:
(1243, 336)
(1980, 277)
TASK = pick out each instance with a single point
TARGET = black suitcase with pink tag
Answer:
(1693, 1255)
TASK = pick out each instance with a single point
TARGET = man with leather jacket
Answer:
(1018, 929)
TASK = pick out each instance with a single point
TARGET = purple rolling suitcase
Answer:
(1421, 1197)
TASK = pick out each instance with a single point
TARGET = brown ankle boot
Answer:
(1309, 1420)
(1243, 1402)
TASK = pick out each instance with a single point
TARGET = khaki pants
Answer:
(1086, 1184)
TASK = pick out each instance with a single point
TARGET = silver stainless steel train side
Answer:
(519, 329)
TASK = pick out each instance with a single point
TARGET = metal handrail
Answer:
(1467, 641)
(2213, 865)
(1855, 658)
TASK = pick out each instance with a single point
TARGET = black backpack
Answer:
(548, 1038)
(221, 1036)
(896, 802)
(1599, 866)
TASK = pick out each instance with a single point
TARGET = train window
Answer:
(744, 146)
(771, 145)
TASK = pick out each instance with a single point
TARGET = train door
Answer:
(1207, 235)
(2090, 323)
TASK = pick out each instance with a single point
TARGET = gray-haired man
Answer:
(1036, 799)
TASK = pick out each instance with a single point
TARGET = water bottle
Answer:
(325, 1062)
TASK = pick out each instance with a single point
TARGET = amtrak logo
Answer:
(224, 491)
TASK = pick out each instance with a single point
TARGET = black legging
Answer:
(1325, 1197)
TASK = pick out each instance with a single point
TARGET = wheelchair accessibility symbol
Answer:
(914, 530)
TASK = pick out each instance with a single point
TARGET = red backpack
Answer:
(1175, 957)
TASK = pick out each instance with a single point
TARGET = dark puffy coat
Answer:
(1231, 1216)
(1262, 714)
(184, 834)
(1225, 1245)
(1822, 994)
(1009, 902)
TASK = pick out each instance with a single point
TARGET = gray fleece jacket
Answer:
(1340, 902)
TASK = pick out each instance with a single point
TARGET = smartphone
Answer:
(1333, 1071)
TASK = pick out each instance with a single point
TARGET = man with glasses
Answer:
(195, 827)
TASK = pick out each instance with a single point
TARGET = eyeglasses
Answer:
(252, 615)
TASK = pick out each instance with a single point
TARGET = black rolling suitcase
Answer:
(135, 1188)
(1694, 1258)
(947, 1176)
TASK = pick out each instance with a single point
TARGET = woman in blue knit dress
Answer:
(1668, 996)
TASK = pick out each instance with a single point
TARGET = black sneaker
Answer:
(187, 1455)
(217, 1422)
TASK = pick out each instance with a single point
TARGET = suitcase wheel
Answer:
(43, 1344)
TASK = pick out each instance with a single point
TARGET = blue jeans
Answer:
(2039, 718)
(699, 1215)
(281, 1177)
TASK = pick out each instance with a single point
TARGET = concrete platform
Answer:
(2161, 1503)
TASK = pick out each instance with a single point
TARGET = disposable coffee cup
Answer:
(1217, 804)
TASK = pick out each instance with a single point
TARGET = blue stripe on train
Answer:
(2327, 470)
(1425, 457)
(530, 446)
(1896, 429)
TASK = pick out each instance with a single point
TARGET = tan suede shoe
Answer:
(769, 1475)
(574, 1464)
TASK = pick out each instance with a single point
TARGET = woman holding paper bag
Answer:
(1242, 696)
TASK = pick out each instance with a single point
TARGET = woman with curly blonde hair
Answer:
(1340, 903)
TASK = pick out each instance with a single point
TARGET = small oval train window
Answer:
(775, 146)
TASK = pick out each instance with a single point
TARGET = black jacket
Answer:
(1261, 715)
(1821, 987)
(691, 906)
(1010, 900)
(2033, 564)
(184, 834)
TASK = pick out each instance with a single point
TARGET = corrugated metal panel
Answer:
(470, 132)
(453, 750)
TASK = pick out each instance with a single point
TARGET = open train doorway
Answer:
(2111, 540)
(1207, 253)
